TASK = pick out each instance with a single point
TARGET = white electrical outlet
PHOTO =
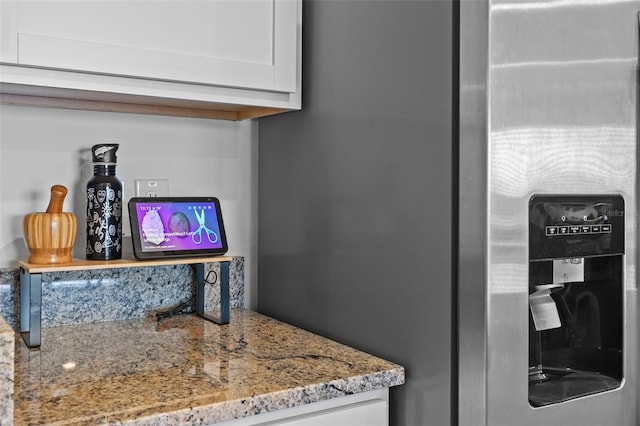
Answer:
(152, 187)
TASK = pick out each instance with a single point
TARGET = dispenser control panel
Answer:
(575, 225)
(577, 229)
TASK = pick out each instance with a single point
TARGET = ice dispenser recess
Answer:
(576, 287)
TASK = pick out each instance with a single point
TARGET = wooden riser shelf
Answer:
(83, 265)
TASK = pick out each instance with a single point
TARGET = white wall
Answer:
(41, 147)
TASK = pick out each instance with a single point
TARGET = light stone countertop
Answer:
(7, 338)
(184, 370)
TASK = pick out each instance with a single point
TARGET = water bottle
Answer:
(104, 206)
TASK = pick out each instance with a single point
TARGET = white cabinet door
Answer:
(8, 31)
(369, 408)
(233, 43)
(370, 413)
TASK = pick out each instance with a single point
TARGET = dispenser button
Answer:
(574, 229)
(585, 229)
(563, 230)
(605, 229)
(551, 230)
(595, 229)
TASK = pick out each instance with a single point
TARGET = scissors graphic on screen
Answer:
(197, 236)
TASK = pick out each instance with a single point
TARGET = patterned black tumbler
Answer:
(104, 206)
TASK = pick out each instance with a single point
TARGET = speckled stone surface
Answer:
(9, 294)
(82, 297)
(7, 338)
(185, 370)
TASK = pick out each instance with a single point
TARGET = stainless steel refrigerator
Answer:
(458, 195)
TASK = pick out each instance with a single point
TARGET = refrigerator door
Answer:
(548, 106)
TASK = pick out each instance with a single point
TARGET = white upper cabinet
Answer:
(8, 31)
(168, 46)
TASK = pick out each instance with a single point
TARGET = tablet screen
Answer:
(176, 227)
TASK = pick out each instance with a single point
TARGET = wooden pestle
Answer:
(58, 192)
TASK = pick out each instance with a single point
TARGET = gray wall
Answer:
(355, 193)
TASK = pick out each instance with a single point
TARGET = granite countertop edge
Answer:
(7, 336)
(274, 401)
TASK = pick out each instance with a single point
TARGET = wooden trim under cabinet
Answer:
(142, 105)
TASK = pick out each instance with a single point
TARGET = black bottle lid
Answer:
(105, 153)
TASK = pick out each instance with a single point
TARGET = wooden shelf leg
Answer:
(223, 279)
(30, 307)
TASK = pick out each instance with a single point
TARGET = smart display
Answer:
(176, 227)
